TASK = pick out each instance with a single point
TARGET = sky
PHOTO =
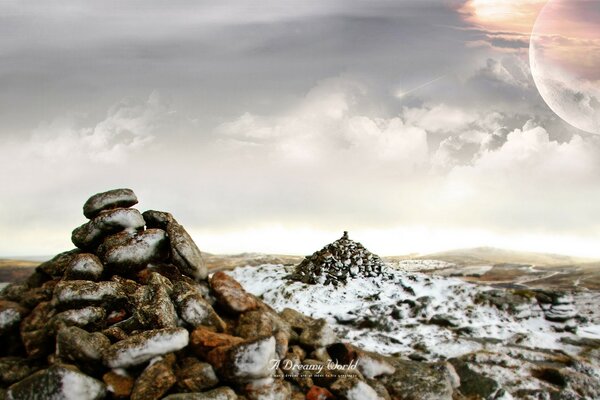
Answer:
(273, 126)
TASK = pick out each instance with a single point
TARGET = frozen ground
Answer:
(437, 317)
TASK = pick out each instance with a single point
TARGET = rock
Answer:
(231, 295)
(57, 382)
(56, 266)
(75, 344)
(222, 393)
(33, 297)
(196, 376)
(38, 343)
(14, 369)
(203, 340)
(296, 320)
(153, 307)
(140, 348)
(119, 385)
(35, 335)
(318, 334)
(14, 291)
(514, 302)
(84, 266)
(444, 320)
(562, 308)
(245, 361)
(11, 314)
(337, 262)
(319, 393)
(157, 219)
(137, 252)
(83, 317)
(373, 366)
(353, 389)
(155, 380)
(116, 198)
(268, 389)
(83, 293)
(473, 383)
(252, 324)
(414, 380)
(89, 235)
(194, 310)
(185, 253)
(571, 382)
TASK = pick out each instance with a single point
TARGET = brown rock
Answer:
(119, 385)
(246, 361)
(155, 380)
(203, 340)
(11, 314)
(231, 294)
(319, 393)
(195, 376)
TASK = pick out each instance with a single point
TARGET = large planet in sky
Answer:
(564, 56)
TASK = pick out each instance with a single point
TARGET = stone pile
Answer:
(337, 262)
(132, 313)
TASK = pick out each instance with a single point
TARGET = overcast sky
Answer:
(272, 126)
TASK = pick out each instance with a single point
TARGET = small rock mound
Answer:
(337, 262)
(132, 313)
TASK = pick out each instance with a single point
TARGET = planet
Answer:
(564, 56)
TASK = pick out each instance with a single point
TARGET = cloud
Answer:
(328, 124)
(128, 127)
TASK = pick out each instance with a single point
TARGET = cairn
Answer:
(337, 262)
(132, 313)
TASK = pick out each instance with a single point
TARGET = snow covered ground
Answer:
(411, 312)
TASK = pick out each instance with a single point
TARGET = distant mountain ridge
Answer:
(492, 255)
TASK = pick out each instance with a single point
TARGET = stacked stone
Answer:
(337, 262)
(131, 313)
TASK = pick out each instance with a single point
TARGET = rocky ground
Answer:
(521, 342)
(134, 312)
